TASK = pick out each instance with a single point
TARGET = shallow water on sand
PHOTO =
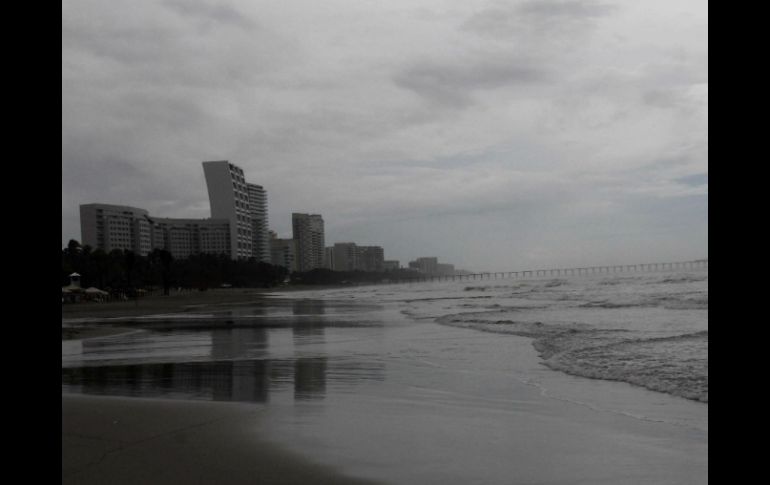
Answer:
(383, 396)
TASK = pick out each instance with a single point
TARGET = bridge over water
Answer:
(588, 270)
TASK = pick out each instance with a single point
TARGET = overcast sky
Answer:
(496, 135)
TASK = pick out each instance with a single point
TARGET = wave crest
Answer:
(673, 364)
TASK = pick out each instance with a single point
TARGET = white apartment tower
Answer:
(185, 237)
(229, 199)
(308, 232)
(108, 227)
(260, 237)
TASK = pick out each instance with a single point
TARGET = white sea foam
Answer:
(676, 365)
(647, 329)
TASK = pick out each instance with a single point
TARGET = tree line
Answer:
(125, 271)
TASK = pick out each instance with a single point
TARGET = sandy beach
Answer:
(116, 440)
(176, 302)
(107, 439)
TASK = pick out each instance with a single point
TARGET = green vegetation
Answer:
(125, 271)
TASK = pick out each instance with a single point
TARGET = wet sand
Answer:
(116, 440)
(84, 332)
(176, 302)
(128, 440)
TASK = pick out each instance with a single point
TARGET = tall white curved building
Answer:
(229, 199)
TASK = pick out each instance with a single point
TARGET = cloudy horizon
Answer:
(493, 135)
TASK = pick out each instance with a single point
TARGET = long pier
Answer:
(589, 270)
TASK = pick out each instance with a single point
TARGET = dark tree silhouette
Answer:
(122, 272)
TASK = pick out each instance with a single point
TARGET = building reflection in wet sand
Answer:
(309, 378)
(238, 369)
(247, 342)
(239, 380)
(308, 307)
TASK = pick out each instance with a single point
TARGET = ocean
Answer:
(646, 329)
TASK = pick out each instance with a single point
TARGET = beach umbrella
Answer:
(95, 291)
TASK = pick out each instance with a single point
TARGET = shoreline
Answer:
(536, 343)
(135, 440)
(183, 302)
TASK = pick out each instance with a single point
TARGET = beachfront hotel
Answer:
(229, 199)
(283, 252)
(186, 237)
(431, 266)
(109, 227)
(237, 227)
(260, 237)
(349, 256)
(308, 233)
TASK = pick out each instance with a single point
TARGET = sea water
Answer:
(646, 329)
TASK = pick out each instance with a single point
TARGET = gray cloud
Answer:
(549, 22)
(695, 180)
(208, 13)
(452, 84)
(687, 98)
(565, 8)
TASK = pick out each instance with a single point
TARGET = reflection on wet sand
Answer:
(240, 380)
(237, 366)
(308, 307)
(229, 342)
(309, 378)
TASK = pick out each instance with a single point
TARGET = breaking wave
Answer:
(676, 364)
(663, 301)
(649, 331)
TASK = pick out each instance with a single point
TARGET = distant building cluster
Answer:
(431, 267)
(238, 228)
(349, 256)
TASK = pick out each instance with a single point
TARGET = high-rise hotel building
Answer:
(186, 237)
(109, 227)
(229, 199)
(308, 232)
(283, 252)
(349, 256)
(260, 236)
